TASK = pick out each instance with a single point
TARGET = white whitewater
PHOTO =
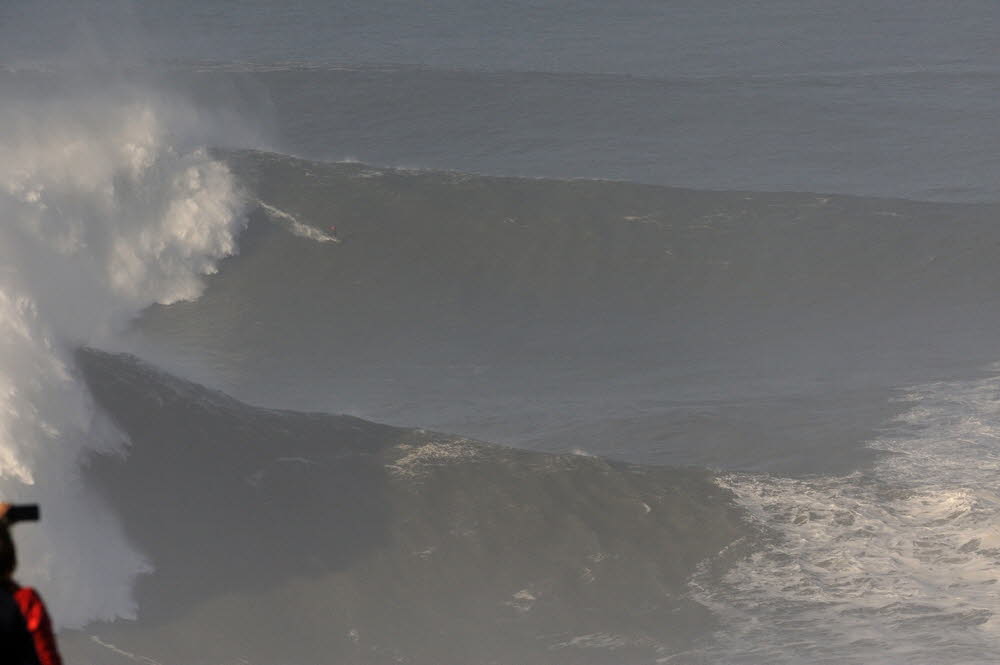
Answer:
(104, 210)
(898, 565)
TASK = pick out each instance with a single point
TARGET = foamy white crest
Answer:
(898, 565)
(103, 211)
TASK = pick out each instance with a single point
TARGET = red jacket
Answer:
(39, 625)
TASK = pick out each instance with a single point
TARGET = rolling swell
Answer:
(771, 329)
(348, 541)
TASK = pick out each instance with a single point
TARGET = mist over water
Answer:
(102, 216)
(381, 210)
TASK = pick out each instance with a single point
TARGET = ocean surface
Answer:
(504, 333)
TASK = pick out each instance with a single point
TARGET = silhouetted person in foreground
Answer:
(26, 636)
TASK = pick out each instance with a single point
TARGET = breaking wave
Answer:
(105, 208)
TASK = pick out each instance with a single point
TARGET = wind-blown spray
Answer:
(105, 208)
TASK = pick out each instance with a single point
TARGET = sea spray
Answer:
(106, 207)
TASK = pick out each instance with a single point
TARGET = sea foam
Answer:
(106, 207)
(898, 564)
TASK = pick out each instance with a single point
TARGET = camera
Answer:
(22, 512)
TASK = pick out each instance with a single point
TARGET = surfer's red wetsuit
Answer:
(39, 625)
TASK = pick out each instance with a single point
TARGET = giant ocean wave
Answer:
(771, 333)
(775, 333)
(469, 303)
(284, 411)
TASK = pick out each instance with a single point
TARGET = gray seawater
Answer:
(745, 250)
(859, 98)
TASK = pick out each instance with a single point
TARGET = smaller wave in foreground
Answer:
(302, 538)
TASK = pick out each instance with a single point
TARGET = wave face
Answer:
(102, 213)
(348, 541)
(838, 348)
(736, 330)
